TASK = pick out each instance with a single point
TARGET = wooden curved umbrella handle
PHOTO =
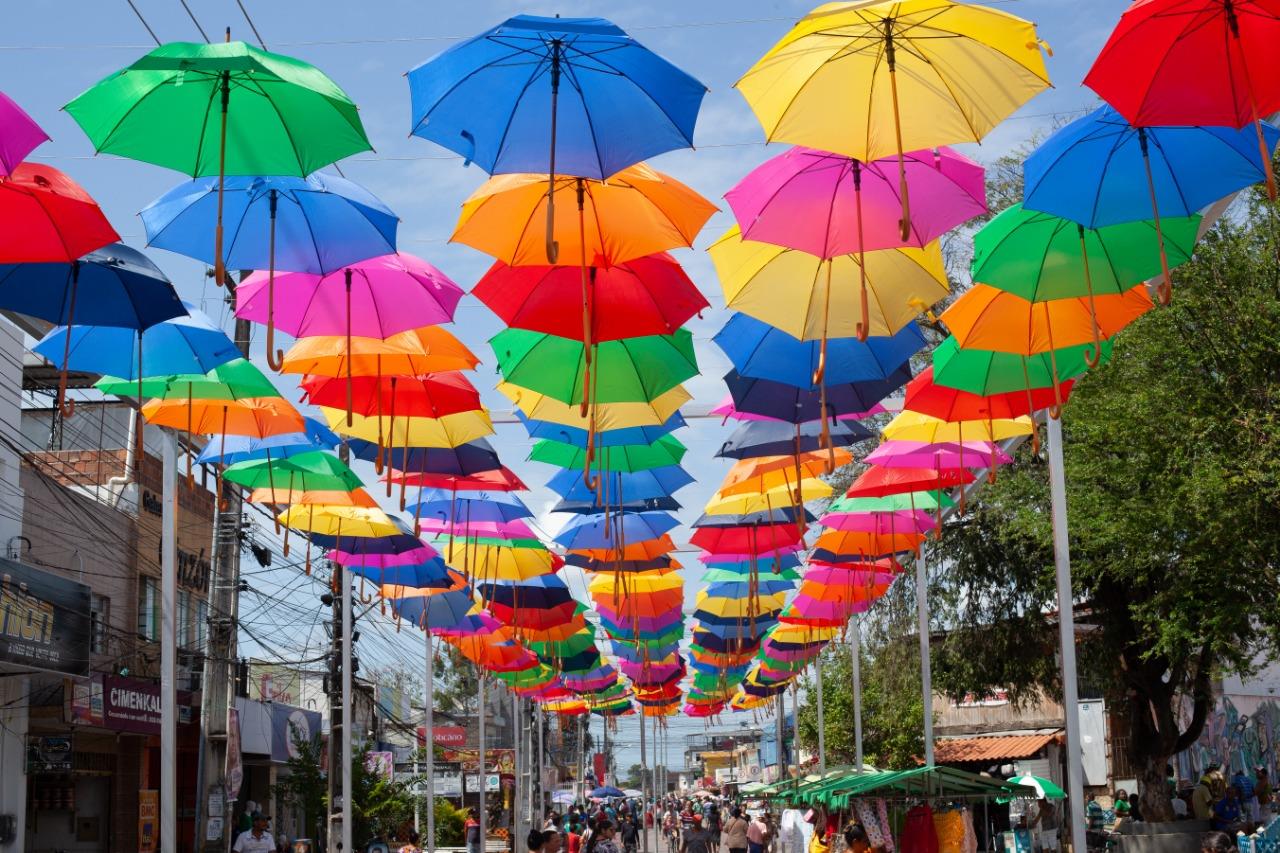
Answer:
(1164, 292)
(1055, 411)
(1093, 355)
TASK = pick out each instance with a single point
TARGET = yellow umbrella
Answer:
(913, 426)
(330, 520)
(748, 607)
(448, 431)
(766, 500)
(483, 561)
(875, 78)
(285, 495)
(607, 416)
(636, 582)
(810, 298)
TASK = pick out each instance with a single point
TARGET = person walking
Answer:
(257, 838)
(759, 833)
(735, 832)
(471, 831)
(698, 840)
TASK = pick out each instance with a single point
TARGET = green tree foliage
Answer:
(1173, 489)
(450, 820)
(304, 787)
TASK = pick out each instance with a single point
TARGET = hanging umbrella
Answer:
(919, 73)
(482, 507)
(601, 532)
(435, 612)
(497, 479)
(761, 351)
(627, 458)
(767, 472)
(828, 205)
(311, 471)
(648, 549)
(315, 224)
(1193, 62)
(416, 352)
(350, 521)
(235, 379)
(221, 109)
(773, 438)
(811, 298)
(435, 395)
(986, 372)
(840, 547)
(747, 539)
(798, 405)
(989, 318)
(19, 135)
(257, 416)
(606, 416)
(877, 482)
(631, 369)
(45, 217)
(606, 438)
(1089, 171)
(1043, 257)
(913, 426)
(622, 487)
(239, 448)
(939, 456)
(114, 286)
(494, 98)
(951, 404)
(446, 431)
(649, 295)
(881, 523)
(332, 497)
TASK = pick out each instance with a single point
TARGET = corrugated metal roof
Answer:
(994, 748)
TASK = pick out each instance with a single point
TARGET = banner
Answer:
(288, 723)
(499, 760)
(446, 736)
(44, 620)
(235, 772)
(148, 821)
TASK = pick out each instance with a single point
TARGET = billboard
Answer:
(44, 620)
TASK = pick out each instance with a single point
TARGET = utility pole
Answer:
(219, 662)
(334, 693)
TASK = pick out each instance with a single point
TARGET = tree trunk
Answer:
(1153, 789)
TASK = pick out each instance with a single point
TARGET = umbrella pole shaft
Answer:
(864, 328)
(275, 357)
(1165, 288)
(66, 406)
(905, 224)
(350, 419)
(1091, 358)
(553, 248)
(219, 268)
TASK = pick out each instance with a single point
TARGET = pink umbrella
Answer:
(19, 135)
(505, 530)
(919, 454)
(830, 205)
(412, 557)
(881, 523)
(874, 574)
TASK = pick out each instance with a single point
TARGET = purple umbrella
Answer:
(19, 135)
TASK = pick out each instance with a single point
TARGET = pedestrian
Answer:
(735, 832)
(471, 831)
(543, 841)
(856, 840)
(1202, 799)
(1226, 812)
(698, 840)
(759, 833)
(257, 838)
(603, 840)
(573, 836)
(1243, 783)
(630, 833)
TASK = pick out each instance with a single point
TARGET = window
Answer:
(148, 608)
(184, 619)
(99, 618)
(201, 638)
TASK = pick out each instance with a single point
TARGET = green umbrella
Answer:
(627, 458)
(894, 503)
(986, 372)
(312, 471)
(623, 371)
(236, 380)
(1046, 789)
(1042, 257)
(221, 109)
(730, 576)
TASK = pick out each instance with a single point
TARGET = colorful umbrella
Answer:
(986, 372)
(416, 352)
(313, 471)
(960, 70)
(447, 431)
(435, 395)
(600, 532)
(239, 448)
(219, 109)
(254, 416)
(939, 456)
(45, 217)
(626, 458)
(606, 416)
(607, 438)
(340, 521)
(774, 438)
(19, 135)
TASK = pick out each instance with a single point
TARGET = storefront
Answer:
(269, 734)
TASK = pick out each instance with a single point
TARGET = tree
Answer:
(305, 786)
(1173, 489)
(458, 688)
(892, 706)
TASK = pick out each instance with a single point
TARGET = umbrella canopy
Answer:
(234, 380)
(951, 404)
(1045, 789)
(774, 438)
(282, 116)
(626, 458)
(256, 416)
(316, 470)
(19, 135)
(415, 352)
(447, 431)
(959, 69)
(239, 448)
(913, 426)
(495, 98)
(649, 295)
(435, 612)
(607, 416)
(627, 370)
(342, 521)
(811, 298)
(878, 482)
(600, 532)
(45, 217)
(432, 396)
(620, 487)
(316, 224)
(581, 437)
(798, 405)
(829, 205)
(940, 456)
(761, 351)
(637, 212)
(473, 457)
(987, 372)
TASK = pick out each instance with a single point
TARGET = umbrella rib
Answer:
(288, 131)
(650, 98)
(533, 77)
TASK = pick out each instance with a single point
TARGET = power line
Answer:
(192, 16)
(252, 26)
(147, 26)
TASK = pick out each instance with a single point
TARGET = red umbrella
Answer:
(45, 217)
(498, 480)
(925, 396)
(745, 539)
(1194, 62)
(651, 295)
(879, 482)
(432, 396)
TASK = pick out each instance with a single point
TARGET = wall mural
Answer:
(1234, 740)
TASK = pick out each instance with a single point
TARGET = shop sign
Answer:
(44, 620)
(121, 704)
(48, 754)
(287, 724)
(446, 736)
(501, 760)
(234, 774)
(148, 821)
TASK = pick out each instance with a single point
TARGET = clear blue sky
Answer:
(53, 49)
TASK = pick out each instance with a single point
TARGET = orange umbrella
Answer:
(647, 550)
(286, 495)
(858, 543)
(494, 652)
(258, 417)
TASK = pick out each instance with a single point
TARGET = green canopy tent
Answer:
(838, 788)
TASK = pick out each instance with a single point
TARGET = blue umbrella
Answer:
(319, 223)
(777, 515)
(595, 507)
(592, 564)
(799, 405)
(445, 610)
(764, 565)
(431, 573)
(241, 448)
(605, 792)
(189, 343)
(1099, 170)
(479, 507)
(114, 286)
(541, 593)
(775, 438)
(760, 351)
(745, 588)
(495, 99)
(605, 438)
(621, 487)
(599, 532)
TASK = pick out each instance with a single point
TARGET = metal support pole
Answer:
(855, 663)
(644, 788)
(543, 808)
(484, 764)
(517, 798)
(822, 723)
(781, 724)
(1066, 637)
(926, 669)
(348, 723)
(169, 645)
(429, 695)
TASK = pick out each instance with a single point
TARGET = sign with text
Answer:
(500, 760)
(148, 821)
(446, 736)
(44, 620)
(120, 704)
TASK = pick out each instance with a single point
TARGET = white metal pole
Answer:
(926, 668)
(822, 723)
(855, 662)
(780, 724)
(429, 695)
(169, 644)
(347, 722)
(543, 808)
(517, 797)
(484, 765)
(1066, 635)
(644, 787)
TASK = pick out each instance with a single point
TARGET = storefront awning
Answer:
(963, 750)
